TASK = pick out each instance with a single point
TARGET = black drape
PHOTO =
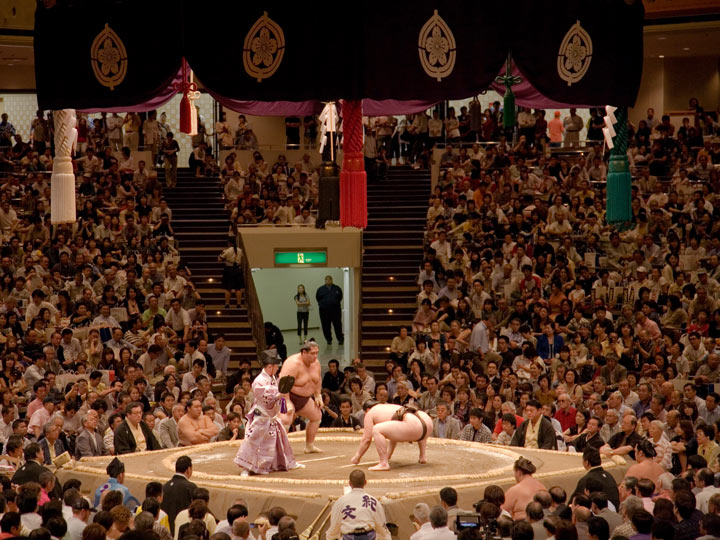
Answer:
(282, 51)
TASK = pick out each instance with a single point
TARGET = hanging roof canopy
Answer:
(274, 57)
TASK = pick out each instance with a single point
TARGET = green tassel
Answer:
(507, 79)
(509, 109)
(619, 181)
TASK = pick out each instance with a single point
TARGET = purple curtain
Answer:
(157, 101)
(527, 96)
(371, 107)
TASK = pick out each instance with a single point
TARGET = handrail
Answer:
(255, 316)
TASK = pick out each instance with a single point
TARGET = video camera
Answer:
(485, 529)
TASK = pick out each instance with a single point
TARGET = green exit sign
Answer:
(303, 258)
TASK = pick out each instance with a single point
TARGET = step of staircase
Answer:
(393, 250)
(200, 221)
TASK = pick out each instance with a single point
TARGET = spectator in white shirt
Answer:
(439, 524)
(304, 218)
(189, 380)
(37, 304)
(421, 518)
(174, 284)
(179, 320)
(104, 320)
(220, 355)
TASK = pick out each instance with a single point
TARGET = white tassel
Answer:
(608, 138)
(192, 96)
(609, 125)
(610, 110)
(62, 181)
(328, 124)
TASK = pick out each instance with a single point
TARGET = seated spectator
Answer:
(195, 427)
(133, 434)
(116, 474)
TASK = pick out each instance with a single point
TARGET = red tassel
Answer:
(185, 114)
(353, 180)
(184, 87)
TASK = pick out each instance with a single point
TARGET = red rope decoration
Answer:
(185, 87)
(353, 180)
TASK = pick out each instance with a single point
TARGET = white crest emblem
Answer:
(436, 47)
(575, 54)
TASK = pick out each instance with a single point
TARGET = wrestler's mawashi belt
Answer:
(405, 409)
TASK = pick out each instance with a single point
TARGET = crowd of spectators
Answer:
(259, 194)
(104, 342)
(537, 326)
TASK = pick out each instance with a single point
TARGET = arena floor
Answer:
(468, 467)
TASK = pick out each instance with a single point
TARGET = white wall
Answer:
(668, 83)
(651, 92)
(276, 288)
(269, 130)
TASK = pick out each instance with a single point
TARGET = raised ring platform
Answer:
(467, 466)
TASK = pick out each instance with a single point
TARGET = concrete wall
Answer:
(344, 248)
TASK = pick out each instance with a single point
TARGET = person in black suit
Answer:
(537, 424)
(177, 492)
(51, 431)
(30, 471)
(125, 442)
(591, 437)
(329, 298)
(593, 464)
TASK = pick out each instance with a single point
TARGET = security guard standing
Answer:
(357, 515)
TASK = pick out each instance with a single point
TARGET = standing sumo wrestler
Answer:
(304, 399)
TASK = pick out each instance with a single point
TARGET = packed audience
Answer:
(537, 326)
(259, 194)
(104, 340)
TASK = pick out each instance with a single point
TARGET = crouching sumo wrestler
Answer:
(390, 424)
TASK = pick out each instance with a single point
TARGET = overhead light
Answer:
(686, 48)
(661, 56)
(661, 38)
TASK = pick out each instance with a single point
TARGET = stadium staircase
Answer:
(393, 252)
(200, 223)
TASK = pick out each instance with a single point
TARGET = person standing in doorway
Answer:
(232, 277)
(329, 297)
(303, 313)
